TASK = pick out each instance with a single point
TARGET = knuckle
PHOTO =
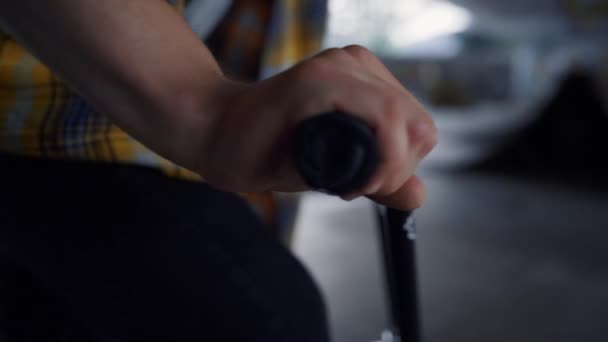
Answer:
(426, 136)
(431, 140)
(359, 52)
(315, 66)
(333, 53)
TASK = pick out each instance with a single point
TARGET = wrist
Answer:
(199, 111)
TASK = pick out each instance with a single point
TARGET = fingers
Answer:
(419, 118)
(367, 58)
(409, 196)
(401, 157)
(338, 82)
(354, 81)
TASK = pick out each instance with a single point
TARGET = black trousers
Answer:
(92, 252)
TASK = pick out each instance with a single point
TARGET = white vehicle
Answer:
(484, 68)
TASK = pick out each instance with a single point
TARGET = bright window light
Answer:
(393, 25)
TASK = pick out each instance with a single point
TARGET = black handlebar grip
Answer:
(335, 152)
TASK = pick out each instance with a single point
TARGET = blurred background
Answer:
(512, 240)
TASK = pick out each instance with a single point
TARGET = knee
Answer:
(301, 309)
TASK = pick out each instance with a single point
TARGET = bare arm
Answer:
(136, 60)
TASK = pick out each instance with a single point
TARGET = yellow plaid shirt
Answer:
(41, 117)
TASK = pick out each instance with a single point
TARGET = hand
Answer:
(247, 148)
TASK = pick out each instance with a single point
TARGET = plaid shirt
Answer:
(41, 117)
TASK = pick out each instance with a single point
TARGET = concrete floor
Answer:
(500, 259)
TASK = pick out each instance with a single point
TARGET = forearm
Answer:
(138, 61)
(135, 60)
